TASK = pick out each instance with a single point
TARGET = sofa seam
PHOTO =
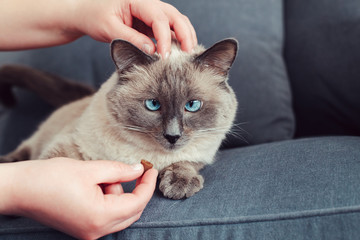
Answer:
(253, 218)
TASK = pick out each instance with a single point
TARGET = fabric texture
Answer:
(258, 75)
(322, 52)
(297, 189)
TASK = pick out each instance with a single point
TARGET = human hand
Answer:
(52, 22)
(67, 194)
(135, 21)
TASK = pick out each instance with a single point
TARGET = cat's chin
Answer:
(172, 147)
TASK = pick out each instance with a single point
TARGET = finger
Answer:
(137, 38)
(115, 189)
(153, 16)
(118, 224)
(105, 171)
(173, 36)
(142, 27)
(162, 36)
(129, 221)
(182, 27)
(145, 186)
(122, 224)
(129, 204)
(192, 30)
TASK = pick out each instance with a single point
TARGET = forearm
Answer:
(7, 186)
(30, 24)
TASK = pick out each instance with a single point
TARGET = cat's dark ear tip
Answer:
(119, 42)
(116, 43)
(232, 41)
(115, 40)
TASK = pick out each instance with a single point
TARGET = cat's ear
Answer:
(219, 57)
(125, 55)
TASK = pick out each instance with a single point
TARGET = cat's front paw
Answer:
(177, 182)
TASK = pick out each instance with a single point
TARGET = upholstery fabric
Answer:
(297, 189)
(322, 52)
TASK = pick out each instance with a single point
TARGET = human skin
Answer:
(81, 198)
(41, 23)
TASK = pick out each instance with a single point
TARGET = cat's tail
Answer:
(53, 89)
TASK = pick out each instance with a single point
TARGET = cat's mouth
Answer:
(173, 147)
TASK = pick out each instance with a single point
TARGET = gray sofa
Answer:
(295, 171)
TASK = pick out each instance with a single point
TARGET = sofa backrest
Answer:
(322, 53)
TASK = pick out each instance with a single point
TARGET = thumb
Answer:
(106, 171)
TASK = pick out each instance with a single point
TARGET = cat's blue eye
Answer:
(152, 104)
(193, 105)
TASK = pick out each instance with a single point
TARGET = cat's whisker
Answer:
(209, 132)
(136, 129)
(238, 132)
(221, 129)
(239, 136)
(236, 128)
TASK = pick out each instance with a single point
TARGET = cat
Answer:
(173, 112)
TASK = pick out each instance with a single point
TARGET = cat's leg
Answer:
(22, 153)
(181, 180)
(62, 149)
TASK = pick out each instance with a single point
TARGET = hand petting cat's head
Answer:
(173, 103)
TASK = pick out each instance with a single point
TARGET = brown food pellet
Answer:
(147, 165)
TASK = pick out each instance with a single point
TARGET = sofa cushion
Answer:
(297, 189)
(258, 75)
(323, 57)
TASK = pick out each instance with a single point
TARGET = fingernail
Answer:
(136, 167)
(146, 48)
(167, 54)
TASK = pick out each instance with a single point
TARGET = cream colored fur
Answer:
(86, 126)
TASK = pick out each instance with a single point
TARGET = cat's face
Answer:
(168, 104)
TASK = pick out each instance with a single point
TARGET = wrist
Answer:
(84, 17)
(61, 19)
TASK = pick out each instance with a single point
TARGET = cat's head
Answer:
(168, 104)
